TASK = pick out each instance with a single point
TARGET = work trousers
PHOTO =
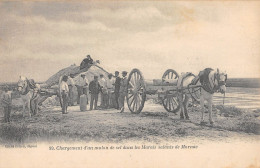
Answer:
(117, 100)
(71, 103)
(93, 100)
(81, 90)
(7, 111)
(121, 100)
(34, 105)
(102, 97)
(110, 98)
(64, 103)
(105, 100)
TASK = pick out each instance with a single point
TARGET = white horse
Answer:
(28, 91)
(211, 81)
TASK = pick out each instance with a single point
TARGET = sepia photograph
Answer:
(130, 84)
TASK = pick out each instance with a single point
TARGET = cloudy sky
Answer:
(39, 38)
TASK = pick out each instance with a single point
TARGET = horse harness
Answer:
(205, 81)
(30, 85)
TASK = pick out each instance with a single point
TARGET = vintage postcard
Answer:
(130, 84)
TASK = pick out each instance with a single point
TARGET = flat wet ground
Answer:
(247, 98)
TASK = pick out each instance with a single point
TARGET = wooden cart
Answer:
(166, 88)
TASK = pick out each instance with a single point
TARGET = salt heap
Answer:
(73, 69)
(51, 101)
(53, 81)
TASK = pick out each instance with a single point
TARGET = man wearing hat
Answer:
(122, 91)
(94, 89)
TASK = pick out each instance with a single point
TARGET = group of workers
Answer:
(112, 91)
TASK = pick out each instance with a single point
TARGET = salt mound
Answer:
(91, 72)
(51, 101)
(73, 69)
(54, 79)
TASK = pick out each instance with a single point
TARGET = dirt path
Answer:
(152, 125)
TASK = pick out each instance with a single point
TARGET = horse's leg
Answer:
(29, 108)
(36, 106)
(202, 107)
(181, 114)
(180, 97)
(33, 109)
(180, 104)
(210, 110)
(24, 109)
(185, 106)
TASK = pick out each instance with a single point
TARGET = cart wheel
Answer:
(170, 74)
(170, 102)
(136, 94)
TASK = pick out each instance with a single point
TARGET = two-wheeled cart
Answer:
(166, 88)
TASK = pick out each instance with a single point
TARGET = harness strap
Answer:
(34, 96)
(204, 79)
(28, 87)
(26, 90)
(194, 99)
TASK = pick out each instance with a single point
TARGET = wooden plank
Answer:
(151, 89)
(168, 82)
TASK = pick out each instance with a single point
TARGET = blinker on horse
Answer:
(211, 81)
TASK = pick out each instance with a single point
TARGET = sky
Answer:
(37, 39)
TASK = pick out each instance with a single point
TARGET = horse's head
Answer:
(222, 79)
(22, 84)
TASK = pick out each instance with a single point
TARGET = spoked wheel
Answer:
(170, 101)
(170, 74)
(136, 91)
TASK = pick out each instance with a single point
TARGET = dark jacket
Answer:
(117, 84)
(94, 87)
(6, 99)
(123, 85)
(86, 63)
